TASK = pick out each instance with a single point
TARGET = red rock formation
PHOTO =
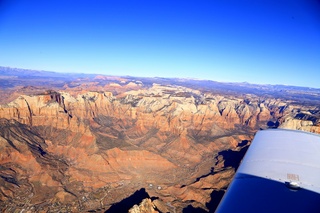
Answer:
(89, 150)
(146, 206)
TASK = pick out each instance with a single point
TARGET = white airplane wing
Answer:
(279, 173)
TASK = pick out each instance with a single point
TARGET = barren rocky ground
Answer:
(92, 143)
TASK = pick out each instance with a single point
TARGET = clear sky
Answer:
(257, 41)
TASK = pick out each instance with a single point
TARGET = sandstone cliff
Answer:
(146, 206)
(90, 149)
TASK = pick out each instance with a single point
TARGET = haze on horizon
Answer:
(265, 42)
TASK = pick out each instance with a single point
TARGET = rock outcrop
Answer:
(80, 150)
(146, 206)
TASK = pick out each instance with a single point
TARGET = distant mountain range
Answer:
(10, 77)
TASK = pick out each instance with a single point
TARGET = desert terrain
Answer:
(96, 143)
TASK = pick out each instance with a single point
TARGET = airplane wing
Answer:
(279, 173)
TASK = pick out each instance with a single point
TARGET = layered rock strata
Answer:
(62, 150)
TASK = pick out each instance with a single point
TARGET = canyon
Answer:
(96, 143)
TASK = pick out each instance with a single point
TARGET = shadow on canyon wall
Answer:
(273, 125)
(231, 159)
(216, 197)
(129, 202)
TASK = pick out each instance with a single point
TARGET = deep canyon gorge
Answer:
(90, 143)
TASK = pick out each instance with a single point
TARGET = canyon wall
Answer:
(87, 150)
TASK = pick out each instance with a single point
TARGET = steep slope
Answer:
(81, 150)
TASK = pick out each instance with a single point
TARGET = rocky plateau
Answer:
(93, 143)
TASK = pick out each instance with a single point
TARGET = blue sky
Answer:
(257, 41)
